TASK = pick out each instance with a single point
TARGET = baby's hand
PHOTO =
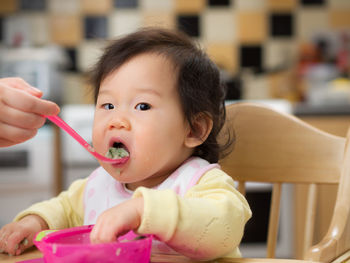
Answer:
(16, 237)
(117, 221)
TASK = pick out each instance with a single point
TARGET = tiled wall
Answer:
(237, 34)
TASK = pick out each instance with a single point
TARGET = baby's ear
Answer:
(202, 125)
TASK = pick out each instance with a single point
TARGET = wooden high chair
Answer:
(279, 148)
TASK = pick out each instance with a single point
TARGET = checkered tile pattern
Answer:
(237, 34)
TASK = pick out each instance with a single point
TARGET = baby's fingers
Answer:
(23, 245)
(16, 243)
(2, 241)
(101, 233)
(98, 235)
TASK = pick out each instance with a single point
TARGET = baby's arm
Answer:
(207, 223)
(15, 237)
(65, 210)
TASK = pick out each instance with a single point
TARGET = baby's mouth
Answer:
(117, 151)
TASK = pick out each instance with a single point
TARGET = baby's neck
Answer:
(148, 182)
(158, 178)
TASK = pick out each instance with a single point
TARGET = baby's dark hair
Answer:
(198, 81)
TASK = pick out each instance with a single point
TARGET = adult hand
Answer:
(21, 108)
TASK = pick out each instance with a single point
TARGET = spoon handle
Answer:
(63, 125)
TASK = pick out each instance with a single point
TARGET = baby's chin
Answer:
(115, 172)
(119, 175)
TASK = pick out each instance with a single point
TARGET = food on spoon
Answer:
(116, 153)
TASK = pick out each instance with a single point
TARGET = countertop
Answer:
(34, 254)
(304, 109)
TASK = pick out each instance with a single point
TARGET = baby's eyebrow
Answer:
(148, 90)
(101, 92)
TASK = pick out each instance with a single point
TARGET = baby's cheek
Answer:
(148, 160)
(144, 155)
(97, 142)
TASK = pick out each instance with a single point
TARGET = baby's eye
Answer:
(108, 106)
(143, 106)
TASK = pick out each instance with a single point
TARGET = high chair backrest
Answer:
(279, 148)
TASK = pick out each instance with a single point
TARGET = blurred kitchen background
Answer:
(291, 54)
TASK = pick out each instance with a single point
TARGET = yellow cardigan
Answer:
(208, 222)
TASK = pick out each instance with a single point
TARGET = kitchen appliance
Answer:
(40, 67)
(26, 174)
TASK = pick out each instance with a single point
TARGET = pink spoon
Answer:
(63, 125)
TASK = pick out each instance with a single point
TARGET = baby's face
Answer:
(138, 108)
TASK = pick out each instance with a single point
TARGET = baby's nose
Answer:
(120, 122)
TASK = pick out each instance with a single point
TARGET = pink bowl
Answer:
(73, 245)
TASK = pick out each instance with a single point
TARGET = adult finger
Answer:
(20, 119)
(23, 101)
(11, 135)
(19, 83)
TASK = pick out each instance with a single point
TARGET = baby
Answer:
(160, 99)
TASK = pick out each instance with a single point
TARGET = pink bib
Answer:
(102, 191)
